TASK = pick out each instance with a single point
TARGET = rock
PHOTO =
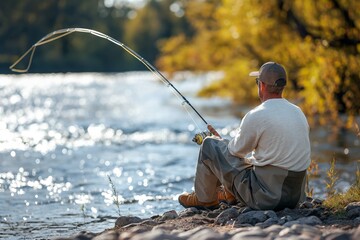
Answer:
(188, 212)
(271, 214)
(245, 209)
(306, 205)
(356, 234)
(125, 220)
(290, 223)
(357, 221)
(225, 216)
(109, 235)
(156, 234)
(298, 231)
(303, 228)
(353, 213)
(269, 222)
(312, 220)
(148, 222)
(169, 215)
(83, 235)
(139, 229)
(285, 219)
(273, 228)
(213, 214)
(252, 234)
(338, 236)
(208, 234)
(191, 232)
(352, 205)
(251, 217)
(353, 210)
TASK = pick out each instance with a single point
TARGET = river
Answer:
(67, 141)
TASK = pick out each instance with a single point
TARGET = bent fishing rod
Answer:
(64, 32)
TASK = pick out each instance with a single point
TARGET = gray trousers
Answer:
(266, 187)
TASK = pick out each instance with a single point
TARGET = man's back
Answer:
(278, 133)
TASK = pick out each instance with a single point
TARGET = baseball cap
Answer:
(271, 73)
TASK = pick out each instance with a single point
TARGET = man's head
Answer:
(274, 78)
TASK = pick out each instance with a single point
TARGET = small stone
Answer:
(338, 236)
(188, 212)
(274, 229)
(148, 222)
(269, 222)
(156, 234)
(208, 234)
(271, 214)
(356, 234)
(353, 213)
(306, 205)
(252, 233)
(192, 232)
(213, 214)
(140, 229)
(225, 216)
(357, 221)
(286, 232)
(290, 223)
(251, 217)
(306, 230)
(125, 220)
(108, 235)
(352, 205)
(245, 210)
(80, 235)
(169, 215)
(241, 225)
(285, 219)
(312, 220)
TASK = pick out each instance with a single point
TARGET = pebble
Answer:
(227, 215)
(251, 217)
(289, 224)
(254, 233)
(169, 215)
(188, 212)
(125, 220)
(156, 234)
(208, 234)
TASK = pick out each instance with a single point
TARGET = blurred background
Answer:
(317, 41)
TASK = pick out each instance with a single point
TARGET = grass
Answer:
(338, 201)
(115, 195)
(312, 172)
(332, 178)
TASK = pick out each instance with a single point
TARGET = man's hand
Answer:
(213, 131)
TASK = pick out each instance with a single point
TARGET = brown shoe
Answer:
(226, 196)
(190, 200)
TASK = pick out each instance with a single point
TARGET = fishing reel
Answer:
(199, 137)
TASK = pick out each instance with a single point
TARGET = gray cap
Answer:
(272, 74)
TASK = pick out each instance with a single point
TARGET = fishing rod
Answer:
(64, 32)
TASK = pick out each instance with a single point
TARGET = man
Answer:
(264, 165)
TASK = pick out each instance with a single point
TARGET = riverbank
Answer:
(310, 221)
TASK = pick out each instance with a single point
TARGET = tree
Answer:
(317, 41)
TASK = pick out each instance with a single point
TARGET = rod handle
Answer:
(212, 130)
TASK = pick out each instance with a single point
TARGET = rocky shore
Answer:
(310, 221)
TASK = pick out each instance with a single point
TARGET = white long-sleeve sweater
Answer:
(276, 133)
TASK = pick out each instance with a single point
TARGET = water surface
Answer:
(62, 136)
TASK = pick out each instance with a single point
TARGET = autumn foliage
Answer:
(317, 41)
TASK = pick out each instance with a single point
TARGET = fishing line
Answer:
(64, 32)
